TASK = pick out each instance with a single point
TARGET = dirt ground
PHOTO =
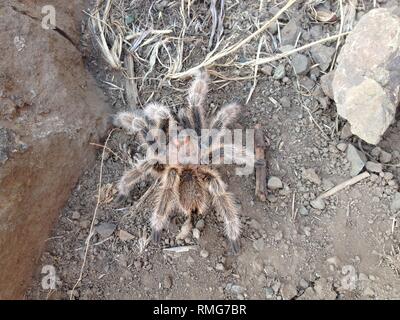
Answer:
(348, 250)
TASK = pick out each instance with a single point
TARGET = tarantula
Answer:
(183, 185)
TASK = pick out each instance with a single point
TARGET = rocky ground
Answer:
(293, 247)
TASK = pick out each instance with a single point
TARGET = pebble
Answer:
(274, 183)
(278, 236)
(288, 291)
(200, 224)
(167, 282)
(259, 244)
(356, 158)
(303, 284)
(237, 289)
(318, 204)
(76, 215)
(375, 152)
(267, 70)
(219, 267)
(385, 157)
(105, 229)
(374, 167)
(311, 175)
(204, 253)
(289, 33)
(303, 211)
(196, 233)
(322, 55)
(124, 235)
(342, 146)
(279, 72)
(301, 64)
(395, 205)
(269, 293)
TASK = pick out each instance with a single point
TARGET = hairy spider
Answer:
(184, 185)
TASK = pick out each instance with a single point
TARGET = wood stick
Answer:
(130, 85)
(261, 164)
(345, 184)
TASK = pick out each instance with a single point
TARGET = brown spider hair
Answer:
(183, 186)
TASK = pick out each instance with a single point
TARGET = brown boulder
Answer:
(50, 109)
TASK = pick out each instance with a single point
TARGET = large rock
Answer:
(367, 80)
(50, 109)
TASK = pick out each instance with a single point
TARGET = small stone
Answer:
(396, 202)
(124, 235)
(385, 157)
(269, 293)
(274, 183)
(272, 198)
(342, 146)
(219, 267)
(303, 211)
(137, 264)
(289, 33)
(276, 286)
(167, 282)
(301, 64)
(204, 253)
(76, 215)
(318, 204)
(375, 152)
(279, 72)
(322, 55)
(362, 277)
(105, 229)
(200, 224)
(303, 284)
(278, 236)
(333, 261)
(189, 260)
(237, 289)
(346, 132)
(356, 158)
(311, 175)
(259, 244)
(326, 84)
(196, 233)
(267, 70)
(374, 167)
(84, 224)
(288, 291)
(285, 102)
(369, 292)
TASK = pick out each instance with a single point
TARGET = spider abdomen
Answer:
(192, 193)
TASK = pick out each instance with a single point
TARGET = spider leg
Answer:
(166, 198)
(136, 174)
(224, 204)
(225, 116)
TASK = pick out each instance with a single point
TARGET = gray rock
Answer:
(279, 72)
(374, 167)
(311, 175)
(76, 215)
(342, 146)
(219, 267)
(105, 229)
(346, 132)
(301, 64)
(318, 204)
(196, 233)
(274, 183)
(204, 253)
(200, 224)
(396, 202)
(303, 211)
(375, 152)
(385, 157)
(269, 293)
(289, 33)
(288, 291)
(285, 102)
(267, 70)
(326, 84)
(167, 282)
(303, 283)
(322, 55)
(259, 244)
(366, 82)
(356, 158)
(237, 289)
